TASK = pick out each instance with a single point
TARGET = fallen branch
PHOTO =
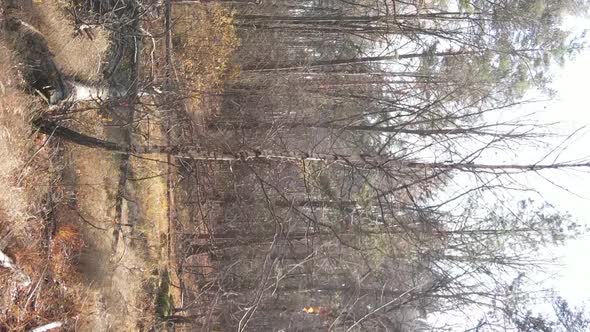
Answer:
(372, 160)
(8, 263)
(47, 327)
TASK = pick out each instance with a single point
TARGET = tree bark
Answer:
(476, 130)
(368, 59)
(365, 160)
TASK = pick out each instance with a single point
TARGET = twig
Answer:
(7, 262)
(47, 327)
(381, 307)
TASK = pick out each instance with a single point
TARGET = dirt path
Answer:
(123, 262)
(116, 262)
(119, 206)
(124, 206)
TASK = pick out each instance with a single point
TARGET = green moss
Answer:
(164, 303)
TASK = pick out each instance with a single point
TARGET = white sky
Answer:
(572, 110)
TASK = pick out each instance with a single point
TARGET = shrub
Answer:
(204, 38)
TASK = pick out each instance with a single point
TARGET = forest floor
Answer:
(123, 259)
(98, 255)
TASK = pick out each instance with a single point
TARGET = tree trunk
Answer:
(368, 59)
(365, 160)
(399, 129)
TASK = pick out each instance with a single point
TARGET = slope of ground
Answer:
(86, 253)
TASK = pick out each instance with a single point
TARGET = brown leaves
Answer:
(205, 39)
(66, 245)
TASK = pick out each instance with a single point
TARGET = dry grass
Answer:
(25, 174)
(16, 109)
(141, 248)
(150, 183)
(60, 287)
(204, 38)
(115, 273)
(96, 175)
(151, 188)
(76, 54)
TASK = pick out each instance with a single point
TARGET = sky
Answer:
(572, 110)
(567, 190)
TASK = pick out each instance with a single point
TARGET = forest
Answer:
(283, 165)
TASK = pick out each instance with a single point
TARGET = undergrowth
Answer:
(26, 172)
(164, 304)
(204, 38)
(79, 54)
